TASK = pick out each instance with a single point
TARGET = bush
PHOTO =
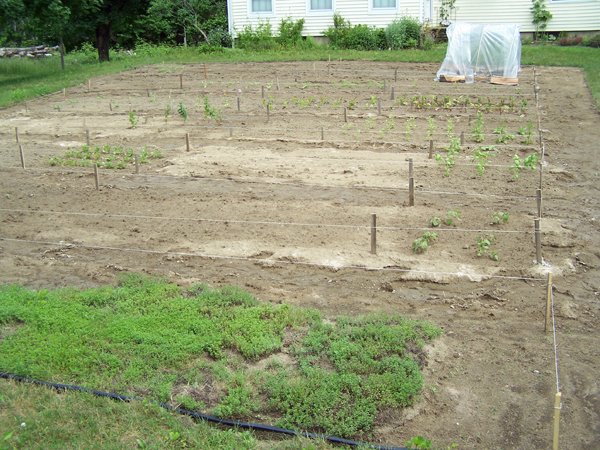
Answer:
(568, 41)
(342, 35)
(594, 41)
(290, 32)
(260, 38)
(403, 33)
(219, 37)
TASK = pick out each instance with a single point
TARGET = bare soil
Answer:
(281, 204)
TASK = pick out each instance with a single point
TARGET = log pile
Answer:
(39, 51)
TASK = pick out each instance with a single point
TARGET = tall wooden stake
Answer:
(411, 183)
(180, 81)
(430, 148)
(374, 233)
(187, 142)
(17, 134)
(462, 138)
(238, 104)
(137, 163)
(22, 155)
(96, 177)
(268, 112)
(548, 321)
(396, 75)
(262, 92)
(378, 106)
(538, 198)
(392, 94)
(557, 408)
(322, 134)
(538, 241)
(205, 72)
(87, 137)
(345, 114)
(89, 85)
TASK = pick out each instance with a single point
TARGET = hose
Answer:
(197, 415)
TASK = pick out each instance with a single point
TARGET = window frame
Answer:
(253, 13)
(383, 10)
(326, 12)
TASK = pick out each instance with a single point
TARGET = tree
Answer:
(541, 16)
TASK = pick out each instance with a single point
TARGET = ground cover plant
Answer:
(202, 349)
(106, 157)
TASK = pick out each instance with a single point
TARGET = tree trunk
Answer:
(103, 41)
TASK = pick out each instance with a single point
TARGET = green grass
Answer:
(218, 351)
(22, 79)
(106, 157)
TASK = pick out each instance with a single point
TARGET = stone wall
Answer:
(39, 51)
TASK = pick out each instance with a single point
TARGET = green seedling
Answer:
(372, 101)
(421, 244)
(420, 443)
(500, 217)
(481, 156)
(484, 247)
(182, 111)
(447, 160)
(210, 112)
(431, 127)
(168, 111)
(409, 127)
(133, 119)
(526, 132)
(450, 128)
(477, 132)
(435, 221)
(389, 125)
(503, 136)
(452, 217)
(530, 162)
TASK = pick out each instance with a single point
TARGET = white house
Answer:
(568, 15)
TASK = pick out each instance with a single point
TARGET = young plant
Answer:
(503, 136)
(435, 221)
(210, 112)
(500, 217)
(133, 119)
(431, 127)
(480, 157)
(526, 132)
(168, 111)
(452, 217)
(409, 127)
(447, 160)
(421, 244)
(182, 111)
(450, 128)
(530, 162)
(477, 132)
(484, 247)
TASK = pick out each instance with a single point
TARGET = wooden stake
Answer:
(137, 163)
(374, 233)
(430, 148)
(89, 85)
(262, 92)
(180, 81)
(268, 112)
(538, 241)
(548, 321)
(205, 72)
(345, 114)
(392, 94)
(96, 177)
(187, 142)
(230, 132)
(557, 408)
(538, 198)
(384, 86)
(277, 82)
(462, 138)
(110, 105)
(322, 134)
(22, 154)
(396, 75)
(87, 137)
(378, 106)
(148, 92)
(411, 184)
(238, 104)
(541, 174)
(17, 134)
(64, 93)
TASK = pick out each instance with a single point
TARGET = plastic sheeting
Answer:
(480, 50)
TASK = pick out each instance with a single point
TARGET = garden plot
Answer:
(277, 195)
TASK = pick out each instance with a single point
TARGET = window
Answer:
(384, 4)
(262, 6)
(321, 5)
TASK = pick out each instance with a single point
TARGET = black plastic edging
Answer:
(197, 415)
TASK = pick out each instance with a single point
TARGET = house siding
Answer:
(568, 15)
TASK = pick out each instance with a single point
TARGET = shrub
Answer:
(403, 33)
(342, 35)
(568, 41)
(594, 41)
(260, 38)
(290, 32)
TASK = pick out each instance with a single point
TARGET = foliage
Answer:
(421, 244)
(106, 157)
(133, 119)
(182, 111)
(290, 32)
(567, 41)
(594, 41)
(481, 157)
(526, 132)
(484, 247)
(540, 16)
(530, 162)
(504, 136)
(500, 217)
(210, 112)
(419, 442)
(477, 133)
(403, 33)
(445, 12)
(257, 39)
(171, 343)
(343, 35)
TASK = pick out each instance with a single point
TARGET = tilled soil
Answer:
(279, 201)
